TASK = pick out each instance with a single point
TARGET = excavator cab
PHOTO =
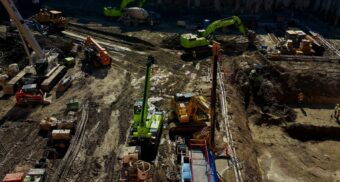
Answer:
(137, 110)
(55, 14)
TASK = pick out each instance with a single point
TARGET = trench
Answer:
(305, 132)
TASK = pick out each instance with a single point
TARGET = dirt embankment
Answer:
(271, 86)
(267, 92)
(245, 147)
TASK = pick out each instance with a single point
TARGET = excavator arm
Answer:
(125, 3)
(199, 109)
(118, 11)
(104, 57)
(190, 41)
(234, 20)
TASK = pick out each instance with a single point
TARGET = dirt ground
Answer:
(261, 110)
(282, 157)
(111, 93)
(285, 154)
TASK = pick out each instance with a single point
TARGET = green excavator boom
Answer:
(201, 39)
(118, 11)
(147, 123)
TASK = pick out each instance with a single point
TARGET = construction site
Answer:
(170, 90)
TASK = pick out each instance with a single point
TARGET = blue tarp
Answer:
(213, 173)
(186, 171)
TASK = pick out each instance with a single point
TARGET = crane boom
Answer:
(27, 37)
(151, 61)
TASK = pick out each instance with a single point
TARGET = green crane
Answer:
(201, 39)
(117, 11)
(147, 123)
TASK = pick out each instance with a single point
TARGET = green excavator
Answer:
(191, 41)
(147, 122)
(118, 11)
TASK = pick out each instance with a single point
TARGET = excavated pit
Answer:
(305, 132)
(275, 86)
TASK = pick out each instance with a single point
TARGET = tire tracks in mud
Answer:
(73, 150)
(21, 151)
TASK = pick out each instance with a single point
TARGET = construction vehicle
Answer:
(48, 124)
(42, 60)
(118, 11)
(197, 163)
(96, 53)
(202, 39)
(147, 122)
(30, 94)
(52, 18)
(136, 15)
(200, 162)
(60, 138)
(192, 113)
(36, 175)
(14, 177)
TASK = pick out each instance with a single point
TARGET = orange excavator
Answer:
(96, 53)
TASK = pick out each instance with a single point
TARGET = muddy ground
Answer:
(262, 109)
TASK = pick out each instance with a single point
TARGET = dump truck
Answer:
(191, 114)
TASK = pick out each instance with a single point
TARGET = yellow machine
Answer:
(51, 17)
(192, 114)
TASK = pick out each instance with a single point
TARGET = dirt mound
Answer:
(171, 42)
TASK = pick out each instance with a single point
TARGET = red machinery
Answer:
(30, 94)
(100, 53)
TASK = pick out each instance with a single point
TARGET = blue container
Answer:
(264, 47)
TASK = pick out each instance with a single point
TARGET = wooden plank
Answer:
(51, 81)
(9, 88)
